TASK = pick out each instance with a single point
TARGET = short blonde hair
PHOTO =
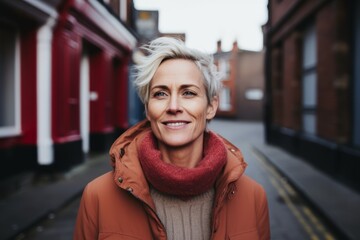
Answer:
(165, 48)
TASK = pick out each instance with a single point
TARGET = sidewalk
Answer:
(26, 207)
(339, 205)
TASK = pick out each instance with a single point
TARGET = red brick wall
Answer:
(327, 102)
(303, 11)
(277, 85)
(292, 84)
(250, 75)
(279, 8)
(333, 110)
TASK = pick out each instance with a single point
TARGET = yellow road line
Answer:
(293, 209)
(286, 192)
(317, 223)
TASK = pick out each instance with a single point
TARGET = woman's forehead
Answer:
(178, 70)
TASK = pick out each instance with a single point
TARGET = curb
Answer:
(337, 204)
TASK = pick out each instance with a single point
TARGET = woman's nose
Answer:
(174, 104)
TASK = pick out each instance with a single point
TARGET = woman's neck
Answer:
(186, 156)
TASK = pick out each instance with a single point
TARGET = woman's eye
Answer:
(189, 93)
(159, 94)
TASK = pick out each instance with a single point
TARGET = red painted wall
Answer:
(65, 86)
(108, 73)
(101, 119)
(28, 87)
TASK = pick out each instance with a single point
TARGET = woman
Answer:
(173, 178)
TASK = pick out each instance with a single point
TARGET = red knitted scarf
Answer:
(179, 181)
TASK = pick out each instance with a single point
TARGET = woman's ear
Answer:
(212, 108)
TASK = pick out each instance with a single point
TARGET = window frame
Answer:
(15, 129)
(309, 110)
(225, 99)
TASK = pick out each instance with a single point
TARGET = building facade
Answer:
(63, 82)
(313, 83)
(241, 96)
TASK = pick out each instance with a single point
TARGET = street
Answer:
(290, 216)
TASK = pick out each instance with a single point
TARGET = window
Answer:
(309, 81)
(9, 83)
(225, 99)
(254, 94)
(224, 68)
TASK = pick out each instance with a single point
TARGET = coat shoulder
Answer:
(101, 183)
(251, 193)
(104, 189)
(247, 184)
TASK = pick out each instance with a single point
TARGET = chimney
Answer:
(219, 46)
(235, 46)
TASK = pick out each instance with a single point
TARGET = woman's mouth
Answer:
(175, 124)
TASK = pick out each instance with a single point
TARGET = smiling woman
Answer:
(185, 182)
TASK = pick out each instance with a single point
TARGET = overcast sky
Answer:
(207, 21)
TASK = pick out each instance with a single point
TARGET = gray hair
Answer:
(165, 48)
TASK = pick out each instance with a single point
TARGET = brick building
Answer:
(313, 83)
(243, 83)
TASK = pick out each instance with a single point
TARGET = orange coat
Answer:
(118, 204)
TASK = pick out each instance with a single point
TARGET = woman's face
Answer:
(178, 107)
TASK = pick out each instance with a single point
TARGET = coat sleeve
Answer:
(86, 227)
(263, 215)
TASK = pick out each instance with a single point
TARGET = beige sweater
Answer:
(188, 219)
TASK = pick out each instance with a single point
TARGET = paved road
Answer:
(291, 217)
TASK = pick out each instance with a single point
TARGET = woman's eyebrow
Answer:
(189, 86)
(181, 86)
(159, 86)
